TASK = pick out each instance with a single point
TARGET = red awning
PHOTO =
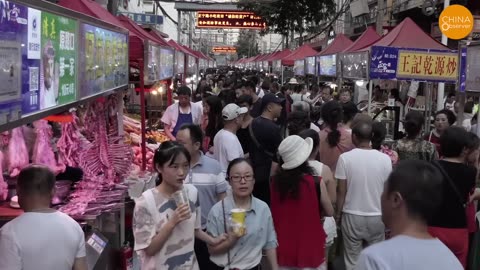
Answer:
(279, 55)
(300, 53)
(159, 37)
(178, 47)
(408, 35)
(368, 37)
(139, 31)
(340, 43)
(91, 8)
(192, 52)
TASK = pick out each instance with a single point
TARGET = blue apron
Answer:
(183, 118)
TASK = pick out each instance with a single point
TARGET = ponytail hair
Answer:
(168, 153)
(332, 114)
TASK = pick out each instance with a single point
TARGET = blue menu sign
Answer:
(383, 63)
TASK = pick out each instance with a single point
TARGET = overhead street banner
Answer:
(229, 19)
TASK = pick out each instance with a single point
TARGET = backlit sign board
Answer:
(229, 19)
(224, 49)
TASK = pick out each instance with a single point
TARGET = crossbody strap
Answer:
(317, 180)
(225, 228)
(447, 178)
(257, 144)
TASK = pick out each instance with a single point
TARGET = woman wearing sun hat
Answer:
(296, 208)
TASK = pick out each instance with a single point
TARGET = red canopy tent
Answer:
(178, 47)
(191, 51)
(299, 54)
(139, 31)
(368, 37)
(408, 35)
(340, 43)
(279, 55)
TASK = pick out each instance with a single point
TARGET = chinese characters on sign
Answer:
(141, 18)
(219, 19)
(224, 49)
(103, 62)
(58, 61)
(439, 66)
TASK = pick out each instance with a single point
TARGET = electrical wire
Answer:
(165, 12)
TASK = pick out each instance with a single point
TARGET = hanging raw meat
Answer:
(112, 109)
(17, 153)
(69, 144)
(42, 150)
(107, 155)
(3, 185)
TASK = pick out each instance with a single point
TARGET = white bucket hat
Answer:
(293, 81)
(295, 151)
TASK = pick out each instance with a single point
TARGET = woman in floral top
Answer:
(413, 146)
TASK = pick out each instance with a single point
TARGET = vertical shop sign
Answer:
(58, 61)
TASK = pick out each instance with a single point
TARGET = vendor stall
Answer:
(294, 63)
(62, 107)
(398, 57)
(327, 58)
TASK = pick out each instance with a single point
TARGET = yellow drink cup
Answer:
(238, 221)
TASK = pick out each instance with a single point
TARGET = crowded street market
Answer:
(239, 136)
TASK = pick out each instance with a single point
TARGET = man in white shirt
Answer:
(361, 174)
(412, 193)
(226, 146)
(42, 238)
(181, 113)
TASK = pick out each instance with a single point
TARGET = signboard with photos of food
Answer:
(103, 60)
(166, 63)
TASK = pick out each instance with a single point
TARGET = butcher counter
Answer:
(110, 224)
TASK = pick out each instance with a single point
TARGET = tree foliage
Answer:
(247, 44)
(283, 16)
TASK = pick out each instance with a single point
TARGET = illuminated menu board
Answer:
(224, 49)
(166, 63)
(229, 19)
(103, 60)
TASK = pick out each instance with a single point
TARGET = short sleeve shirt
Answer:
(178, 251)
(261, 235)
(36, 241)
(226, 147)
(269, 136)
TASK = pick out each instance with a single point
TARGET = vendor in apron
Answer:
(182, 112)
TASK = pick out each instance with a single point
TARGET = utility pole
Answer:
(380, 17)
(179, 26)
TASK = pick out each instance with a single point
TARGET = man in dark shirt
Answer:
(266, 137)
(249, 88)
